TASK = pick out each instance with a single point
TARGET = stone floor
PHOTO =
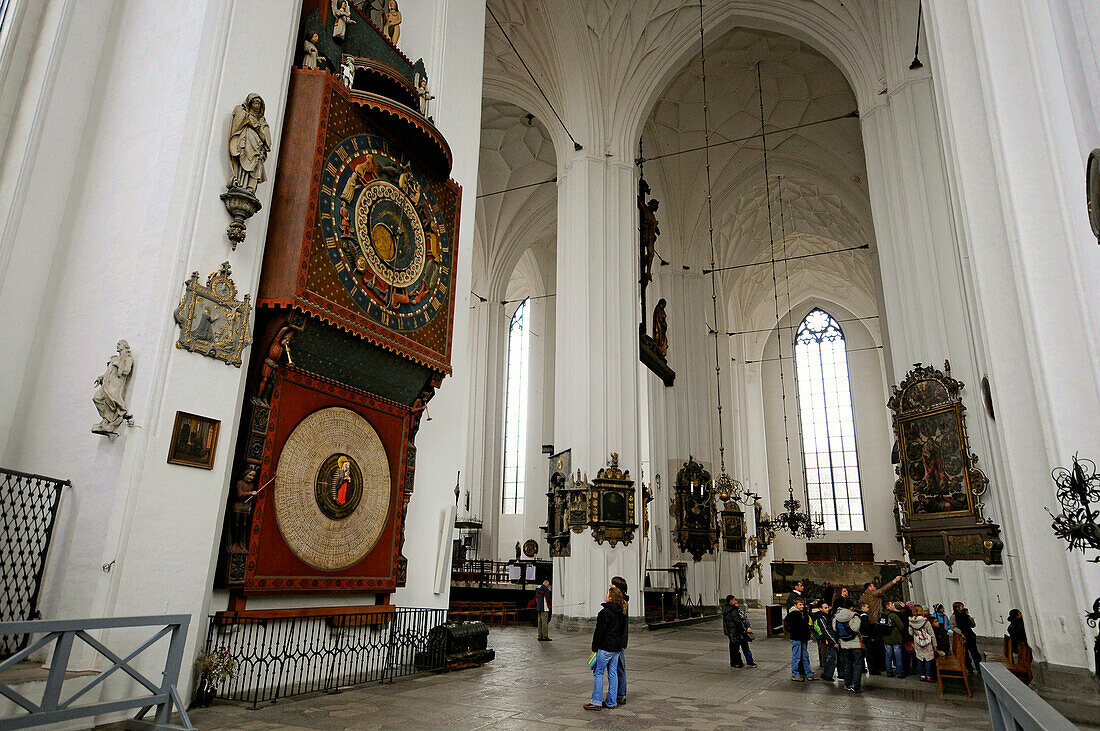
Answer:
(678, 678)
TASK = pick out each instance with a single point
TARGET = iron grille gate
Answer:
(279, 657)
(28, 506)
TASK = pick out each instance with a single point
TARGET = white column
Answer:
(596, 373)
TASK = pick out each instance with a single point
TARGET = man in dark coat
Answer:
(795, 595)
(542, 606)
(734, 630)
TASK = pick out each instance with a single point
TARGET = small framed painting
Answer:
(194, 441)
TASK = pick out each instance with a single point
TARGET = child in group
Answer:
(798, 627)
(924, 643)
(827, 644)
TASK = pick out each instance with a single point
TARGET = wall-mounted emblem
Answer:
(212, 320)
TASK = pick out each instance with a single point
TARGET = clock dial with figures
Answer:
(384, 233)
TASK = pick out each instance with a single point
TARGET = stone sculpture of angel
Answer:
(110, 392)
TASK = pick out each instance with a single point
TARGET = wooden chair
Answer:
(1017, 658)
(953, 665)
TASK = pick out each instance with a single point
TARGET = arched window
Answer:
(515, 410)
(828, 427)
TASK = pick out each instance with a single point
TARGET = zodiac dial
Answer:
(384, 233)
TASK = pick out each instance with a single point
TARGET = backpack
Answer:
(922, 638)
(844, 631)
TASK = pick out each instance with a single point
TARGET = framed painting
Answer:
(194, 441)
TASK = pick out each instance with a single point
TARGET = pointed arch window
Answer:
(515, 410)
(828, 425)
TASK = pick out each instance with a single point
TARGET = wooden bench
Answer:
(953, 665)
(1017, 658)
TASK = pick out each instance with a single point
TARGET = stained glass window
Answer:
(828, 426)
(515, 410)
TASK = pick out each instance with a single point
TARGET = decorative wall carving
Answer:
(939, 485)
(695, 511)
(557, 504)
(611, 505)
(212, 321)
(733, 528)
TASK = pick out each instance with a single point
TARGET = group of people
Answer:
(877, 636)
(872, 635)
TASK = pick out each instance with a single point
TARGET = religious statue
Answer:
(660, 328)
(310, 55)
(424, 94)
(518, 549)
(243, 494)
(110, 393)
(341, 11)
(249, 143)
(347, 72)
(391, 21)
(647, 213)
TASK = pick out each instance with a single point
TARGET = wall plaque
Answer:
(212, 320)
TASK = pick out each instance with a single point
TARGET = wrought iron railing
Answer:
(28, 507)
(279, 656)
(1015, 707)
(52, 709)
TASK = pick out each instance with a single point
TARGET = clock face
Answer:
(384, 233)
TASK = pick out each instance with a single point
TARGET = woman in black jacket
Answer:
(964, 623)
(607, 643)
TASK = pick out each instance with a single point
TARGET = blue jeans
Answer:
(895, 659)
(853, 668)
(745, 649)
(799, 656)
(924, 668)
(608, 661)
(828, 670)
(621, 668)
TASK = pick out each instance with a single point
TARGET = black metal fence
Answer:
(28, 506)
(277, 657)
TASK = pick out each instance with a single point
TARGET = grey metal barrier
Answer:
(1014, 706)
(63, 635)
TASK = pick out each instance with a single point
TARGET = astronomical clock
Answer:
(354, 316)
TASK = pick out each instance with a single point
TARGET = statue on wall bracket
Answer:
(249, 144)
(939, 485)
(653, 349)
(110, 392)
(212, 321)
(611, 505)
(695, 510)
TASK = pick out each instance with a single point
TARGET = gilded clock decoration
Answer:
(384, 233)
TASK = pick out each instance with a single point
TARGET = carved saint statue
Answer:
(243, 493)
(249, 143)
(110, 392)
(424, 94)
(341, 11)
(310, 55)
(347, 72)
(660, 328)
(391, 21)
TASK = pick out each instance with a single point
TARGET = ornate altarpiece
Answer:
(733, 528)
(693, 505)
(557, 504)
(355, 308)
(939, 485)
(611, 505)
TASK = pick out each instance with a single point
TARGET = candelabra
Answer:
(1079, 493)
